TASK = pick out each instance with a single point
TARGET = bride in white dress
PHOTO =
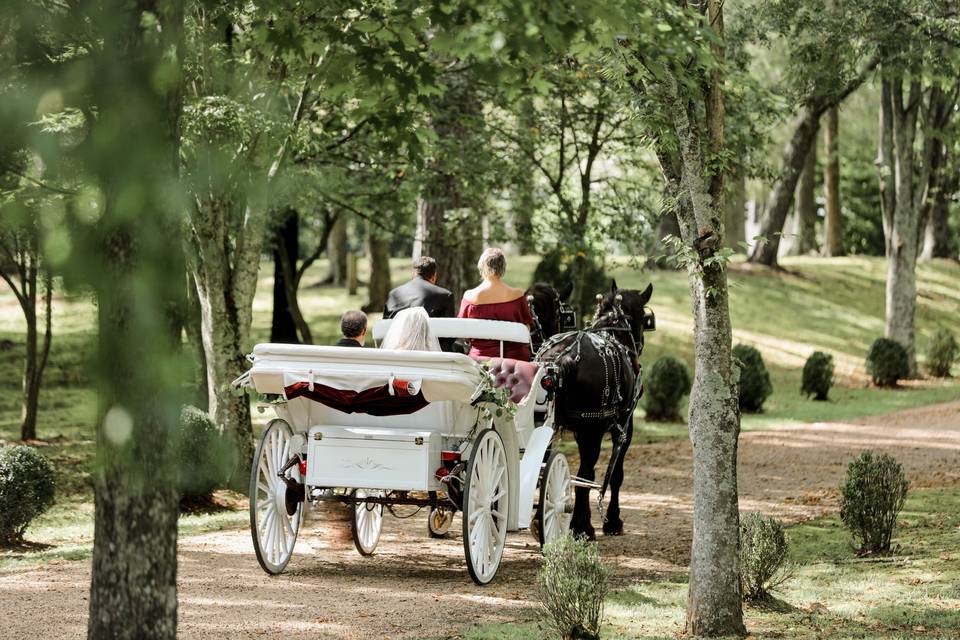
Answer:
(410, 331)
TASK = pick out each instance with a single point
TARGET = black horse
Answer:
(597, 378)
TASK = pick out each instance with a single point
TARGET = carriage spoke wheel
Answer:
(556, 499)
(485, 503)
(367, 522)
(274, 530)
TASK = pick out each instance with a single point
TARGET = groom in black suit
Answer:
(421, 291)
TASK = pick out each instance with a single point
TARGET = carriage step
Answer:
(580, 482)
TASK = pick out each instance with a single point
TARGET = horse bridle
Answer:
(561, 310)
(619, 317)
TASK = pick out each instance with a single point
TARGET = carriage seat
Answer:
(516, 376)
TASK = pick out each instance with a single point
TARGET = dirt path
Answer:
(415, 587)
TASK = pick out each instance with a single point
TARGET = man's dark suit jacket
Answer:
(347, 342)
(420, 293)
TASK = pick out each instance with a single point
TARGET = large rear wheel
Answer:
(273, 528)
(485, 504)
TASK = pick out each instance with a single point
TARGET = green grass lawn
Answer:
(913, 594)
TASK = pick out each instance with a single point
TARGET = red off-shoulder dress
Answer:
(515, 310)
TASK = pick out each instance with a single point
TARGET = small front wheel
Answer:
(367, 522)
(556, 499)
(273, 528)
(485, 503)
(439, 521)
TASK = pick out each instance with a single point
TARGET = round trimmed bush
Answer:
(26, 490)
(204, 454)
(817, 375)
(572, 585)
(942, 353)
(763, 556)
(664, 386)
(755, 385)
(887, 362)
(871, 497)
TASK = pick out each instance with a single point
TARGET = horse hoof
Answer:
(613, 529)
(587, 533)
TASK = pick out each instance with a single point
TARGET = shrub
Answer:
(763, 555)
(204, 454)
(871, 496)
(942, 353)
(664, 386)
(817, 375)
(572, 585)
(887, 362)
(26, 490)
(755, 385)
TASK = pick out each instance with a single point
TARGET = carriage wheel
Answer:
(439, 521)
(556, 499)
(367, 522)
(485, 502)
(274, 530)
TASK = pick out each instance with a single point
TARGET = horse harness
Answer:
(610, 351)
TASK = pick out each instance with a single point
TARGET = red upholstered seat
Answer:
(516, 376)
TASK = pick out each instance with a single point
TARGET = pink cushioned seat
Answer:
(516, 376)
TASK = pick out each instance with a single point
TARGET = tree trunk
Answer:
(734, 230)
(524, 201)
(806, 204)
(286, 253)
(337, 252)
(225, 334)
(378, 289)
(31, 388)
(193, 327)
(938, 241)
(450, 227)
(781, 196)
(833, 224)
(898, 122)
(714, 600)
(132, 260)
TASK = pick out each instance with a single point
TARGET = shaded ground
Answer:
(415, 587)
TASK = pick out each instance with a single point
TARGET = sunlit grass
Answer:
(833, 594)
(65, 532)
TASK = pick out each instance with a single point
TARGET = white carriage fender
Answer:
(530, 471)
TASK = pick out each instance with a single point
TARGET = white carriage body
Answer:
(375, 424)
(402, 452)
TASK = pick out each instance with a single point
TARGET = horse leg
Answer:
(588, 443)
(614, 525)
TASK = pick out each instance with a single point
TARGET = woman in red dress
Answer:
(494, 299)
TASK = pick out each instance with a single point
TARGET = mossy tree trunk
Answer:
(132, 260)
(806, 204)
(714, 600)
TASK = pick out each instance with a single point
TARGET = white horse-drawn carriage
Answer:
(375, 428)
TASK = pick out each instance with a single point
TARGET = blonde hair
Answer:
(492, 263)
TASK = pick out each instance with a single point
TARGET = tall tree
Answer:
(130, 256)
(685, 98)
(825, 65)
(31, 282)
(918, 97)
(833, 226)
